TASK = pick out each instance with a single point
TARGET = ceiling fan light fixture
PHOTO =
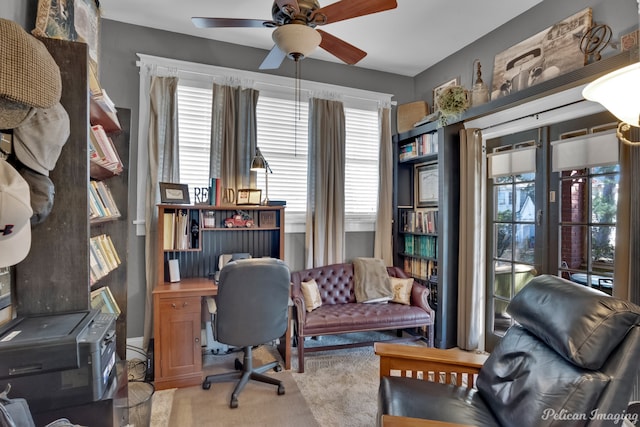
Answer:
(296, 39)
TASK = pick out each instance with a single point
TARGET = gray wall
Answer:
(119, 75)
(620, 15)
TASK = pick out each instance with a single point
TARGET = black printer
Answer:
(58, 360)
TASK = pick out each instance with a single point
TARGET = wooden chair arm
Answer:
(397, 421)
(430, 364)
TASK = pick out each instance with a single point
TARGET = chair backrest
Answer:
(571, 358)
(252, 300)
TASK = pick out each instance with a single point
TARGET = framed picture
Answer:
(75, 20)
(249, 196)
(548, 54)
(426, 184)
(267, 219)
(439, 88)
(174, 193)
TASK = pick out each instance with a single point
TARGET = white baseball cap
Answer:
(15, 215)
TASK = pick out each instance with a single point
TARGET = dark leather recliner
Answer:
(570, 360)
(253, 306)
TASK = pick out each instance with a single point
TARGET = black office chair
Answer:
(253, 297)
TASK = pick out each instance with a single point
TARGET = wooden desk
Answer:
(176, 332)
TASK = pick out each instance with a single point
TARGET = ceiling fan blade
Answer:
(340, 48)
(274, 59)
(201, 22)
(346, 9)
(290, 4)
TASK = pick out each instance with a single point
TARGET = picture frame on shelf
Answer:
(267, 219)
(174, 193)
(426, 179)
(249, 196)
(436, 90)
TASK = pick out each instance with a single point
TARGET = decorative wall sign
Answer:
(548, 54)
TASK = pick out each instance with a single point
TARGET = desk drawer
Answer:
(183, 304)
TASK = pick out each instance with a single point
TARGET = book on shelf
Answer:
(101, 202)
(176, 231)
(102, 111)
(422, 145)
(103, 257)
(420, 221)
(102, 151)
(214, 192)
(422, 269)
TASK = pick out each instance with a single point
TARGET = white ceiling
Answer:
(406, 40)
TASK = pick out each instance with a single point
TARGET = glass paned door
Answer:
(513, 241)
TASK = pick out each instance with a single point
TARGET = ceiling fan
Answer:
(295, 23)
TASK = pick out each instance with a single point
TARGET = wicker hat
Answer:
(29, 76)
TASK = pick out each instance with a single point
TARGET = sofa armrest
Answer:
(420, 298)
(300, 307)
(438, 365)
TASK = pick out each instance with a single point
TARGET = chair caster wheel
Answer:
(206, 385)
(277, 368)
(238, 365)
(280, 390)
(234, 403)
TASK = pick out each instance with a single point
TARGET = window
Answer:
(587, 227)
(281, 139)
(282, 134)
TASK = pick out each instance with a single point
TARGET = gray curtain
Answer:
(383, 243)
(626, 271)
(163, 167)
(325, 183)
(471, 262)
(233, 136)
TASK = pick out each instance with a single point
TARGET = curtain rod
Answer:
(211, 72)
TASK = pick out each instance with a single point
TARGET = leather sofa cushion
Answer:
(582, 324)
(408, 397)
(527, 384)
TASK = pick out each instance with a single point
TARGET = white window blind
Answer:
(579, 152)
(282, 139)
(282, 134)
(362, 165)
(194, 130)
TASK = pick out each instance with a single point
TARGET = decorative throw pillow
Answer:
(311, 294)
(401, 290)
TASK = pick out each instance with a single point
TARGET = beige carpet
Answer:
(258, 404)
(338, 389)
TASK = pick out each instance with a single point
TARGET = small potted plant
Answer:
(452, 101)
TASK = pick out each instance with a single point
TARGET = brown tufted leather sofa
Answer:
(340, 313)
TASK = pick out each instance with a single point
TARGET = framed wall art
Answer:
(426, 184)
(174, 193)
(548, 54)
(440, 88)
(75, 20)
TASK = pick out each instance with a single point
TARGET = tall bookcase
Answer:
(425, 232)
